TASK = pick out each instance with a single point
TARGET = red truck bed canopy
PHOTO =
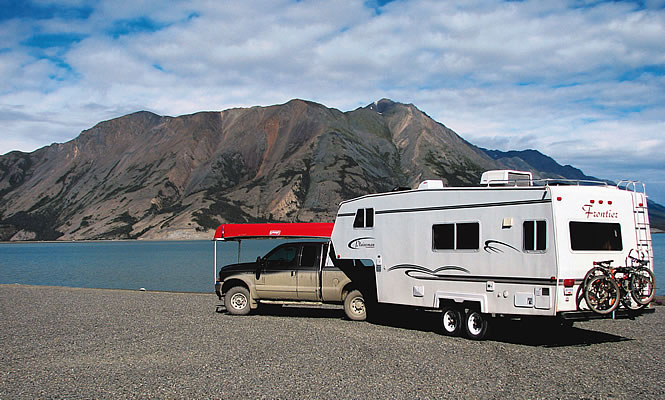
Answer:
(274, 230)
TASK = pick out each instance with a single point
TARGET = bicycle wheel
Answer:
(643, 285)
(629, 302)
(602, 294)
(595, 271)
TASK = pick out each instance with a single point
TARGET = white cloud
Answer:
(568, 81)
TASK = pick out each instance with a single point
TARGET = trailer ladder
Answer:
(641, 216)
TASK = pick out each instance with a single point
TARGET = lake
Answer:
(184, 266)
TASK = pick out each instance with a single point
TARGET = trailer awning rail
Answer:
(274, 230)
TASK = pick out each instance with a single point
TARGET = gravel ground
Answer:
(93, 343)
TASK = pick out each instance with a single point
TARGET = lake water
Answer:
(185, 266)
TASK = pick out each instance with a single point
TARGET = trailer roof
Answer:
(274, 230)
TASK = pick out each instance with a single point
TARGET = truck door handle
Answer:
(293, 273)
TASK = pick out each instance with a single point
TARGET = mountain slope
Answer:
(533, 160)
(154, 177)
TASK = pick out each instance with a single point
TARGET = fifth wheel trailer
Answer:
(511, 247)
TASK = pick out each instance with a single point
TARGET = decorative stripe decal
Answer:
(413, 269)
(455, 207)
(422, 273)
(489, 246)
(462, 206)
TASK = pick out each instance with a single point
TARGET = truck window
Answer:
(535, 235)
(309, 256)
(457, 236)
(282, 256)
(596, 236)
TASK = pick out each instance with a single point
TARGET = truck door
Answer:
(278, 274)
(308, 272)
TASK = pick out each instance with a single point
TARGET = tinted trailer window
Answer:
(597, 236)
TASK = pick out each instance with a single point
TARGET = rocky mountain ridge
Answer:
(145, 176)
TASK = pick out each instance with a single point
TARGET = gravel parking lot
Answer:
(93, 343)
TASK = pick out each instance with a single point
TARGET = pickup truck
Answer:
(291, 273)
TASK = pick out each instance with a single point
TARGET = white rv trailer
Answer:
(513, 247)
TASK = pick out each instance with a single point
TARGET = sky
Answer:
(580, 81)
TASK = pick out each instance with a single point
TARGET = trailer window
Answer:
(535, 235)
(364, 218)
(458, 236)
(598, 236)
(443, 236)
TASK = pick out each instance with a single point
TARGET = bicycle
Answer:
(605, 287)
(643, 281)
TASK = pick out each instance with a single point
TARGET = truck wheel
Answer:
(451, 320)
(354, 306)
(475, 325)
(236, 300)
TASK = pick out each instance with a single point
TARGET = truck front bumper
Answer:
(218, 289)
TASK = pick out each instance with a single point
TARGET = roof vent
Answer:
(506, 177)
(431, 184)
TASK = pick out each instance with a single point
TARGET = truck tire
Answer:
(475, 325)
(236, 300)
(354, 306)
(451, 321)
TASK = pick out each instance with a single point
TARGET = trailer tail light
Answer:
(568, 282)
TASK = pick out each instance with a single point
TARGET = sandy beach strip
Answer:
(94, 343)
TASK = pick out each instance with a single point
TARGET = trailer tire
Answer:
(354, 306)
(236, 300)
(475, 325)
(451, 321)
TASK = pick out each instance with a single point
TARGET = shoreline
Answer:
(32, 285)
(653, 232)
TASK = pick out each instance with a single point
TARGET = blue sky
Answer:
(581, 81)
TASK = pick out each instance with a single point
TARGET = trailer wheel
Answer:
(354, 306)
(236, 300)
(475, 325)
(451, 320)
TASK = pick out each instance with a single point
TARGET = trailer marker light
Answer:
(641, 204)
(569, 282)
(558, 198)
(609, 202)
(592, 201)
(600, 202)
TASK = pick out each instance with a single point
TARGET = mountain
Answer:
(154, 177)
(533, 160)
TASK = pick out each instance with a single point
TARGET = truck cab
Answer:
(291, 273)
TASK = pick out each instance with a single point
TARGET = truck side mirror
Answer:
(258, 267)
